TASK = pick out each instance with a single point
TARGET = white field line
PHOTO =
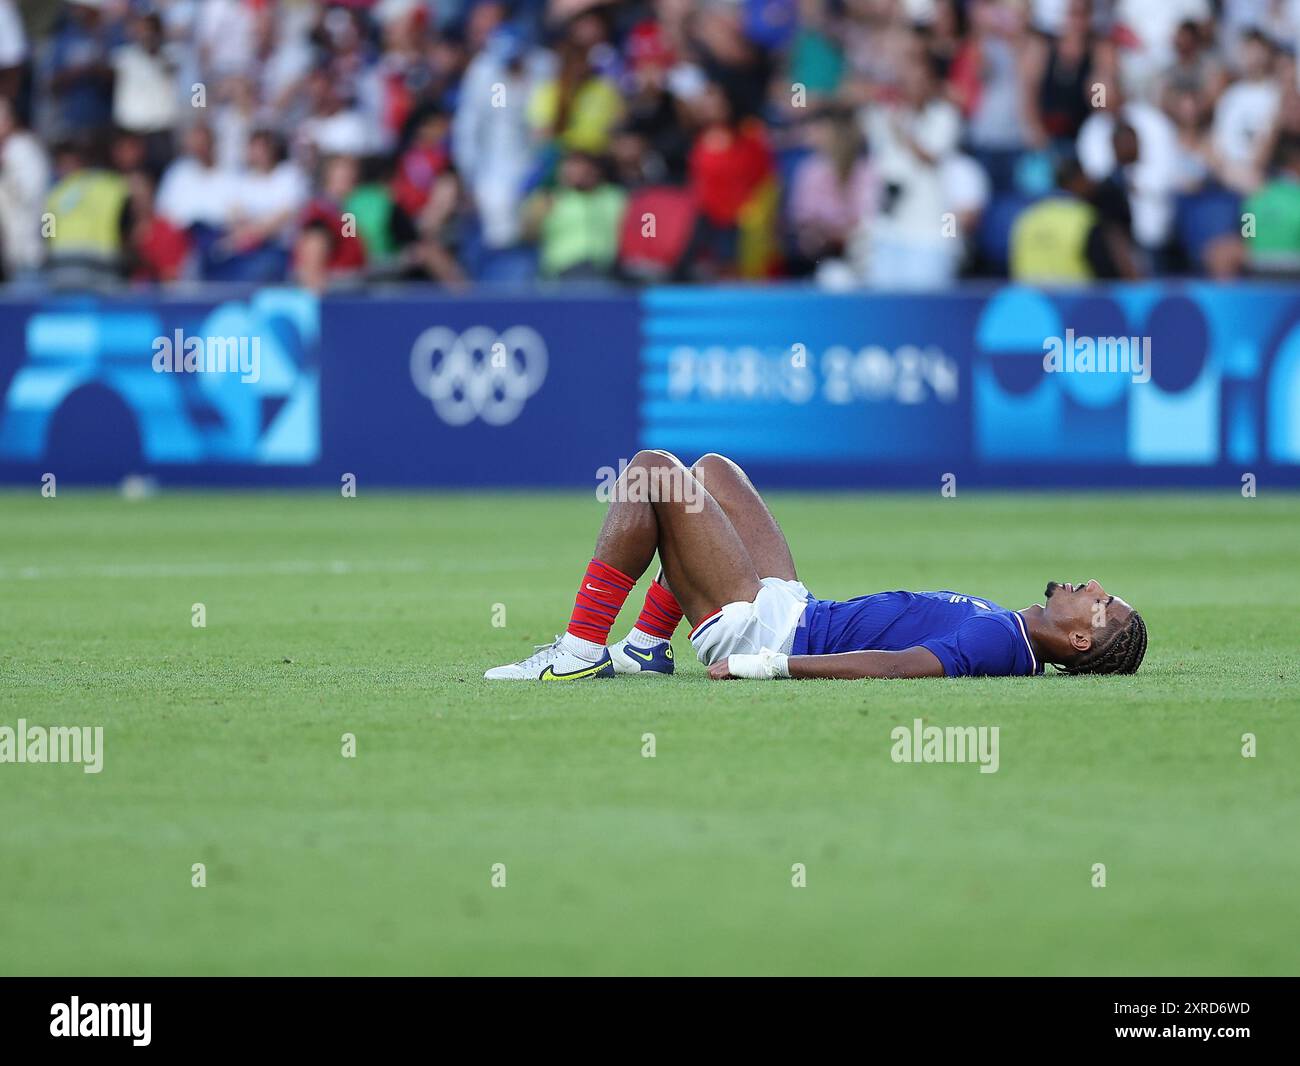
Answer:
(287, 567)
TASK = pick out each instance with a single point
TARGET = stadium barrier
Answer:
(1156, 384)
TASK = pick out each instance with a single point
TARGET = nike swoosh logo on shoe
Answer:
(548, 673)
(645, 657)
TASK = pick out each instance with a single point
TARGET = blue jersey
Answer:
(971, 637)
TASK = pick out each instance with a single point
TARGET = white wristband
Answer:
(767, 664)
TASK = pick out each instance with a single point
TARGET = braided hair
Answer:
(1121, 654)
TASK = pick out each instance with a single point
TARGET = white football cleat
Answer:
(629, 658)
(553, 662)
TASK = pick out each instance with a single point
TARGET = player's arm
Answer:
(851, 665)
(844, 666)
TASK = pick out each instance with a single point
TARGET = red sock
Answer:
(600, 596)
(660, 613)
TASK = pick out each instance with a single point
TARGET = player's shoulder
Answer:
(993, 621)
(1003, 631)
(974, 603)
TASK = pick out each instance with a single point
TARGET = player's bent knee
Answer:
(718, 474)
(660, 478)
(713, 465)
(653, 457)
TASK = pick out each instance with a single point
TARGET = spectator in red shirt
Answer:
(156, 250)
(328, 248)
(732, 174)
(422, 163)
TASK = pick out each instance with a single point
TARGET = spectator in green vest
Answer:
(1073, 236)
(577, 225)
(1274, 248)
(85, 213)
(381, 224)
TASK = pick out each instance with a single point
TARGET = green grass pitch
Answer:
(374, 616)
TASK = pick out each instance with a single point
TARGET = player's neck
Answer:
(1037, 628)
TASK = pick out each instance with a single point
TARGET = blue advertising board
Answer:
(788, 381)
(400, 390)
(1155, 384)
(94, 388)
(1139, 385)
(1222, 389)
(485, 391)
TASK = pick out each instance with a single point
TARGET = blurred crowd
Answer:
(889, 143)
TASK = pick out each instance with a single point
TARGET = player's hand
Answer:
(764, 666)
(719, 672)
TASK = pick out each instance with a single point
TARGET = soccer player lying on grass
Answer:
(725, 564)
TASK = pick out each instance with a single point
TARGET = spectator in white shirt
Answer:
(910, 142)
(492, 142)
(1244, 116)
(144, 88)
(282, 54)
(24, 181)
(194, 190)
(261, 205)
(266, 197)
(333, 127)
(225, 32)
(1151, 25)
(235, 118)
(1152, 179)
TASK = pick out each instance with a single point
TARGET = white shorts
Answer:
(744, 627)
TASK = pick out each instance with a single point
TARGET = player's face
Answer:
(1083, 606)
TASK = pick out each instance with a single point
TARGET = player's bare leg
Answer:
(748, 513)
(647, 648)
(702, 553)
(657, 505)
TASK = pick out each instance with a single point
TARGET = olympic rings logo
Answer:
(478, 374)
